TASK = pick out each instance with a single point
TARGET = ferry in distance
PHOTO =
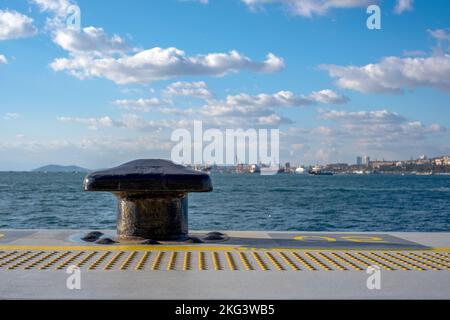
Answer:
(317, 171)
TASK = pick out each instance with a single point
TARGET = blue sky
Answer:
(137, 70)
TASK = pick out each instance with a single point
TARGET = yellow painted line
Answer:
(197, 247)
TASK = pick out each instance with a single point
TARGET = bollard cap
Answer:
(148, 175)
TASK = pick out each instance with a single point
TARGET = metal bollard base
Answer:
(152, 216)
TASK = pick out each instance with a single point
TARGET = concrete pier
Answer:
(235, 265)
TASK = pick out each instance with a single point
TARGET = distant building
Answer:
(359, 161)
(366, 161)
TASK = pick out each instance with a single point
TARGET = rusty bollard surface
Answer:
(152, 195)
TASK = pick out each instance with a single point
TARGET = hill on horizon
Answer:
(59, 168)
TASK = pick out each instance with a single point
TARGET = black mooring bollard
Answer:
(152, 194)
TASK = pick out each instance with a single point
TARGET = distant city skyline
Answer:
(115, 89)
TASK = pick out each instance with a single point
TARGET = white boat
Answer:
(300, 170)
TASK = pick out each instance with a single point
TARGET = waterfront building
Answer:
(359, 161)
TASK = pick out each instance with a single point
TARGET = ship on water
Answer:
(319, 171)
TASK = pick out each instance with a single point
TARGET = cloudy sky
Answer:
(116, 89)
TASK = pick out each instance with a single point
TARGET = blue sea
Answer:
(244, 202)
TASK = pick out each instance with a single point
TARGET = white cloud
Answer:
(91, 123)
(403, 5)
(440, 34)
(89, 40)
(11, 116)
(378, 133)
(308, 8)
(197, 89)
(286, 99)
(362, 117)
(57, 7)
(15, 25)
(394, 74)
(127, 121)
(3, 59)
(379, 126)
(142, 105)
(158, 64)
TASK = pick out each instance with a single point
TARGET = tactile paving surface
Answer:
(219, 260)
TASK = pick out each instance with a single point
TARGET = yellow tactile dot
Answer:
(288, 261)
(305, 263)
(415, 261)
(202, 261)
(317, 261)
(274, 261)
(14, 258)
(187, 261)
(346, 261)
(245, 261)
(423, 258)
(332, 262)
(141, 264)
(172, 261)
(113, 260)
(230, 260)
(259, 261)
(157, 262)
(26, 260)
(99, 260)
(356, 259)
(376, 262)
(53, 261)
(436, 258)
(86, 259)
(128, 261)
(216, 261)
